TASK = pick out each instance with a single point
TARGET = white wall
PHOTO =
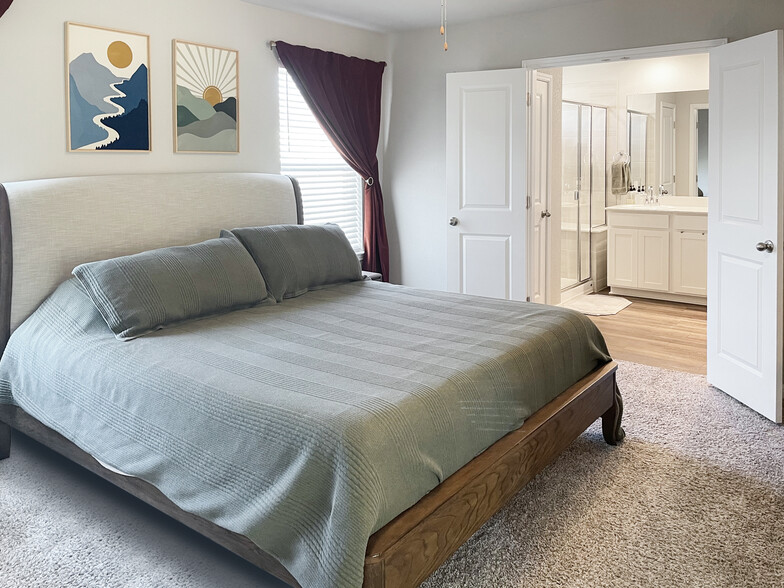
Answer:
(414, 158)
(32, 101)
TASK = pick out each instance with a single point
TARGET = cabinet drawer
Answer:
(643, 220)
(691, 222)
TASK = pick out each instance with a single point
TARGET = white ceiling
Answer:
(402, 15)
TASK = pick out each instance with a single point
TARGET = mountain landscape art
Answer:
(108, 89)
(206, 84)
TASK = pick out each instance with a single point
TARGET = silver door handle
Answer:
(453, 221)
(766, 246)
(546, 214)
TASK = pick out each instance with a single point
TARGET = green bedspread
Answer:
(305, 425)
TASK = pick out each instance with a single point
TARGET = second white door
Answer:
(486, 183)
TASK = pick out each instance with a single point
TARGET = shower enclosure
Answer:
(583, 197)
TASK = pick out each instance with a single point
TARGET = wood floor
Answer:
(658, 333)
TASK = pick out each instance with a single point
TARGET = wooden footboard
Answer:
(408, 549)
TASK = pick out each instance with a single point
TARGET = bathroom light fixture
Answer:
(443, 23)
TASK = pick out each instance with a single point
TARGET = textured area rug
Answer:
(597, 304)
(694, 497)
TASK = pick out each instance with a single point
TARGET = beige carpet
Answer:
(597, 304)
(693, 498)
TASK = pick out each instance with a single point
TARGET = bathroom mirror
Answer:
(668, 141)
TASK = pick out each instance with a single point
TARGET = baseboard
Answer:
(652, 294)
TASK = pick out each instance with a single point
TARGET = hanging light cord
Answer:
(443, 23)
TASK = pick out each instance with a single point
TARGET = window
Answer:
(331, 190)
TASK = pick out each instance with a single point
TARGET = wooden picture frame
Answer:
(205, 98)
(107, 87)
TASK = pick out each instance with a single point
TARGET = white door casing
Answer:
(667, 147)
(540, 160)
(486, 183)
(694, 110)
(745, 297)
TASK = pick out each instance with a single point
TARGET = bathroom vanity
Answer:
(659, 251)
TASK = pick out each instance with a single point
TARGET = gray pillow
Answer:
(138, 294)
(296, 258)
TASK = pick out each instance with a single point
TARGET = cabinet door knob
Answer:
(453, 221)
(766, 246)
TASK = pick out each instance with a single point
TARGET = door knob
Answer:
(546, 214)
(766, 246)
(453, 221)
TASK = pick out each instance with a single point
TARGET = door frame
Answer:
(533, 262)
(531, 65)
(660, 146)
(693, 139)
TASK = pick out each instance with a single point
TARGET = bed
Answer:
(392, 419)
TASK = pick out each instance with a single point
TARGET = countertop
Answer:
(660, 208)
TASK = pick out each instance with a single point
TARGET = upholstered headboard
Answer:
(47, 227)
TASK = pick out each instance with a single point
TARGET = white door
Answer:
(667, 147)
(540, 158)
(745, 297)
(486, 183)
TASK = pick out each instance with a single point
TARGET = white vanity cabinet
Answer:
(657, 252)
(690, 255)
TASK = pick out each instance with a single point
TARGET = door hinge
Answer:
(527, 202)
(528, 98)
(528, 299)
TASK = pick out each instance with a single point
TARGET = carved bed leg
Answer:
(611, 420)
(5, 440)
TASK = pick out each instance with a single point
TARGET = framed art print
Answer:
(108, 89)
(206, 89)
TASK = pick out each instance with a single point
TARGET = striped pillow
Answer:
(138, 294)
(296, 258)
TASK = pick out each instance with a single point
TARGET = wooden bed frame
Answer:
(410, 547)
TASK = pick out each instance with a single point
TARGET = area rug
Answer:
(694, 497)
(597, 304)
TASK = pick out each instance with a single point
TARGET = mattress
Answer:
(305, 425)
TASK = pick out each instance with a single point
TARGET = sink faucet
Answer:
(662, 192)
(649, 195)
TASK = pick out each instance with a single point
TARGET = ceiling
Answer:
(402, 15)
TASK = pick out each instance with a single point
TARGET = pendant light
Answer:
(443, 23)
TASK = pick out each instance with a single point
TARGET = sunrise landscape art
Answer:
(108, 89)
(206, 87)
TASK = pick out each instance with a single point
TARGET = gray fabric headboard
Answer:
(47, 227)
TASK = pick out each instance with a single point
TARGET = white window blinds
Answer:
(331, 190)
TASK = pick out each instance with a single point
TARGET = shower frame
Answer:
(580, 279)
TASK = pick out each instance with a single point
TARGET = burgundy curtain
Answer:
(344, 94)
(4, 4)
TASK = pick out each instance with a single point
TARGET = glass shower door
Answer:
(584, 198)
(570, 158)
(576, 194)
